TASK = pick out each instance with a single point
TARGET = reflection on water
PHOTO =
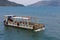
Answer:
(22, 34)
(17, 34)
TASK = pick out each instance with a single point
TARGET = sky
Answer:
(25, 2)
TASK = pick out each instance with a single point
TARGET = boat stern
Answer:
(39, 27)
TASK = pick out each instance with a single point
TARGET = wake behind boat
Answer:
(25, 22)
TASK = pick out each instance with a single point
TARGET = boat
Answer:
(25, 22)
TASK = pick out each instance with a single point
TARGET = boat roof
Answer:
(8, 15)
(22, 18)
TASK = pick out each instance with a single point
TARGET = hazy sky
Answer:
(25, 2)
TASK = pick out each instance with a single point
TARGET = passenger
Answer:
(18, 23)
(11, 20)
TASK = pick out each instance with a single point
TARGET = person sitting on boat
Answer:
(10, 19)
(17, 23)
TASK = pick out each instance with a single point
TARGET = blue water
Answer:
(48, 15)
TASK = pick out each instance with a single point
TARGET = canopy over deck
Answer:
(27, 18)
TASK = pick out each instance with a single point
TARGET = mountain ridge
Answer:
(46, 3)
(8, 3)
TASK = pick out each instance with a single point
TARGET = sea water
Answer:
(47, 15)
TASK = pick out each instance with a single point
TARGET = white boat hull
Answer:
(39, 29)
